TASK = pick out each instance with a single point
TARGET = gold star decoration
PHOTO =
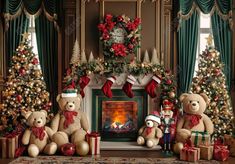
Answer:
(25, 36)
(209, 40)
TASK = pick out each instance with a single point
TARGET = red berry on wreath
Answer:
(169, 81)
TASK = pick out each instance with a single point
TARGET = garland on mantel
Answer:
(77, 76)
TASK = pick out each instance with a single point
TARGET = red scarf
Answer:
(69, 117)
(148, 130)
(194, 119)
(39, 132)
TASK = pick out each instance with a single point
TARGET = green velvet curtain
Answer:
(221, 16)
(47, 50)
(223, 42)
(13, 36)
(187, 48)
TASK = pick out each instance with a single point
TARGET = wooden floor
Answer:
(139, 154)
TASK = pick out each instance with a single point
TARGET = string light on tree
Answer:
(211, 80)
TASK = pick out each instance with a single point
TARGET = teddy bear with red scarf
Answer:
(70, 124)
(193, 118)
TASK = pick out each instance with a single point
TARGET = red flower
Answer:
(119, 49)
(108, 18)
(110, 25)
(131, 26)
(137, 21)
(105, 36)
(120, 18)
(130, 46)
(101, 27)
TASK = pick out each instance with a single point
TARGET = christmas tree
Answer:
(25, 88)
(211, 80)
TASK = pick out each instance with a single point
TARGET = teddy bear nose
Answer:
(70, 106)
(194, 104)
(39, 122)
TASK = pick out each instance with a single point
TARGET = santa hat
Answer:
(167, 105)
(69, 93)
(154, 117)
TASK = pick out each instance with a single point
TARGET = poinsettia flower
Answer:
(108, 17)
(110, 25)
(101, 27)
(119, 49)
(137, 21)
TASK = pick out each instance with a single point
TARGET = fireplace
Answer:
(118, 118)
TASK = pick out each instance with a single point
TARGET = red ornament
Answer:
(19, 98)
(22, 71)
(68, 149)
(217, 72)
(35, 61)
(168, 71)
(119, 18)
(169, 81)
(130, 46)
(49, 104)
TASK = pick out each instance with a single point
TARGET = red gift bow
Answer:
(188, 148)
(93, 134)
(221, 152)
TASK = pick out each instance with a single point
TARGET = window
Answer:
(204, 31)
(32, 32)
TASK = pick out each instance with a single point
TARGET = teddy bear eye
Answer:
(35, 119)
(41, 117)
(73, 102)
(198, 102)
(190, 101)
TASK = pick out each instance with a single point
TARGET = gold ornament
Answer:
(178, 147)
(198, 88)
(82, 148)
(172, 94)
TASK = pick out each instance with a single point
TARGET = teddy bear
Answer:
(70, 122)
(193, 118)
(37, 136)
(150, 134)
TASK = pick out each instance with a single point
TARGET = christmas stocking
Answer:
(127, 87)
(152, 85)
(107, 86)
(84, 80)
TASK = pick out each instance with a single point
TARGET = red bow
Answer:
(38, 132)
(69, 117)
(148, 130)
(194, 119)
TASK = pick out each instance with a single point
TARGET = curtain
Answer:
(187, 48)
(221, 16)
(13, 36)
(223, 43)
(47, 50)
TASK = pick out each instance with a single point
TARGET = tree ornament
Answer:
(76, 53)
(146, 57)
(198, 88)
(19, 98)
(172, 94)
(68, 149)
(82, 148)
(168, 81)
(83, 57)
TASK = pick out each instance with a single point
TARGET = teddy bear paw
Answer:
(140, 140)
(33, 150)
(150, 143)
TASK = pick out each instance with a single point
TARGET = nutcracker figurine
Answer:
(168, 127)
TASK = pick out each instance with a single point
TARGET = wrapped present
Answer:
(229, 140)
(8, 145)
(200, 138)
(206, 151)
(191, 154)
(93, 140)
(221, 152)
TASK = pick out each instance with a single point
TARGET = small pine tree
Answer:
(25, 88)
(211, 80)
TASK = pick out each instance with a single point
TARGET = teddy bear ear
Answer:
(58, 97)
(80, 97)
(44, 112)
(183, 96)
(204, 96)
(26, 114)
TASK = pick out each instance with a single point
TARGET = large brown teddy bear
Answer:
(38, 135)
(150, 134)
(193, 118)
(70, 121)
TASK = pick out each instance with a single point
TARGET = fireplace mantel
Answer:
(96, 82)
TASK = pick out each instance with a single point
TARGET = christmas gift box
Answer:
(200, 138)
(229, 140)
(93, 140)
(191, 154)
(206, 152)
(8, 145)
(221, 152)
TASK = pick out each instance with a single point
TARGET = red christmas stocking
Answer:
(107, 86)
(127, 87)
(84, 80)
(152, 85)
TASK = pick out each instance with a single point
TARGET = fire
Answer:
(119, 117)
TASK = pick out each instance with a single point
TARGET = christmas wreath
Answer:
(120, 35)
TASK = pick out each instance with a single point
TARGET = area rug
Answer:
(99, 160)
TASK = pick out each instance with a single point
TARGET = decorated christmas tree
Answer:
(211, 80)
(25, 88)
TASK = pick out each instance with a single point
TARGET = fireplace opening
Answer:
(118, 118)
